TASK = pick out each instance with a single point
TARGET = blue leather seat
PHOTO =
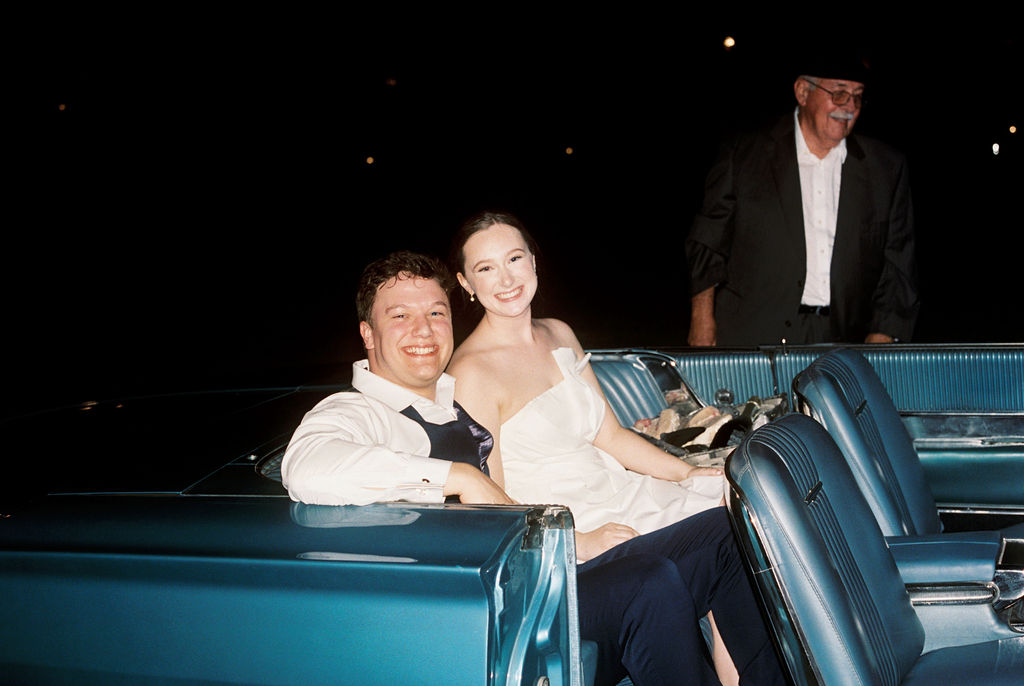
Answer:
(630, 384)
(844, 393)
(835, 599)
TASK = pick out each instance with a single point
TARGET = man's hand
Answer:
(592, 543)
(473, 486)
(879, 338)
(703, 331)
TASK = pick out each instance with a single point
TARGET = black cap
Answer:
(834, 60)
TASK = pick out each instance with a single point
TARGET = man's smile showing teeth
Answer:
(509, 295)
(421, 349)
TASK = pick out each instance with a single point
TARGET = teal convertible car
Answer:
(149, 540)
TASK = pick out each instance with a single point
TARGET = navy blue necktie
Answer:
(460, 440)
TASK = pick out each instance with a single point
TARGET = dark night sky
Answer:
(201, 208)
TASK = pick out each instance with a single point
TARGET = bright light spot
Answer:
(995, 148)
(729, 42)
(569, 151)
(62, 107)
(1013, 129)
(370, 160)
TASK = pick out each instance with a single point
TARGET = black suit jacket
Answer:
(749, 240)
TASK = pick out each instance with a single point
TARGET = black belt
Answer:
(820, 310)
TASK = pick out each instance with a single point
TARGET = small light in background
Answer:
(729, 42)
(995, 148)
(61, 107)
(569, 151)
(370, 160)
(391, 82)
(1013, 129)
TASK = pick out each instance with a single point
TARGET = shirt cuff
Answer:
(423, 479)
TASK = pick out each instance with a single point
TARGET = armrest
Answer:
(968, 556)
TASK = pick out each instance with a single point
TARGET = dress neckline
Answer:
(560, 360)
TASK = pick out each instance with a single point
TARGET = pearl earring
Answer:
(472, 297)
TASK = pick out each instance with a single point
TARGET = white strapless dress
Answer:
(548, 458)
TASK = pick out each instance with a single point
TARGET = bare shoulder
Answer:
(560, 334)
(465, 361)
(480, 384)
(472, 361)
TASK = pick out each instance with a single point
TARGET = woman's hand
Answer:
(592, 543)
(703, 471)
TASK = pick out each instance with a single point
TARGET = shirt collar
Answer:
(393, 395)
(804, 153)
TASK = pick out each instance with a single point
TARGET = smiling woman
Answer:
(556, 440)
(517, 375)
(502, 271)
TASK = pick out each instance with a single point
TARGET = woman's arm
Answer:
(639, 455)
(481, 402)
(628, 448)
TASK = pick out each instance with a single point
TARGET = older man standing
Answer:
(806, 233)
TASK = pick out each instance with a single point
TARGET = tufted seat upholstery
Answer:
(835, 599)
(632, 389)
(844, 393)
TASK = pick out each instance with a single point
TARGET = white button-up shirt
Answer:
(819, 189)
(357, 448)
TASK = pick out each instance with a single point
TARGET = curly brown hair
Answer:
(403, 264)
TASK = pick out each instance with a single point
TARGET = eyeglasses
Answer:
(840, 97)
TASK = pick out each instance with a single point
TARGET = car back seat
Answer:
(632, 389)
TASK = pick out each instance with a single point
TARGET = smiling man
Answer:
(375, 445)
(402, 436)
(407, 333)
(806, 233)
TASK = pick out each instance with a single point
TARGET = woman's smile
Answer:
(509, 295)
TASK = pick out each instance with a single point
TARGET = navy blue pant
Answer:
(642, 600)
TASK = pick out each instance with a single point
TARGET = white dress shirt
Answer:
(357, 448)
(819, 189)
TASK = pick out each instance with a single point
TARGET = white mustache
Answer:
(841, 115)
